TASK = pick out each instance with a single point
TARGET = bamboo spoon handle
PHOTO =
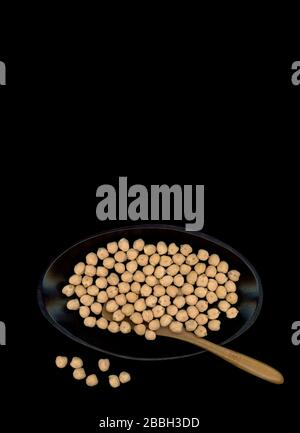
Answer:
(244, 362)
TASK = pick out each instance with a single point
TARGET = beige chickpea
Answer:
(91, 380)
(92, 290)
(68, 290)
(84, 311)
(176, 327)
(90, 322)
(91, 259)
(154, 325)
(146, 290)
(102, 323)
(221, 278)
(102, 254)
(192, 259)
(114, 381)
(111, 306)
(149, 249)
(132, 254)
(76, 362)
(102, 297)
(182, 316)
(142, 260)
(90, 270)
(136, 318)
(113, 327)
(172, 270)
(123, 244)
(232, 312)
(200, 292)
(186, 249)
(211, 271)
(214, 325)
(212, 285)
(101, 271)
(203, 255)
(80, 290)
(79, 268)
(185, 269)
(135, 287)
(109, 263)
(125, 327)
(158, 311)
(139, 245)
(113, 279)
(191, 300)
(101, 282)
(178, 280)
(223, 267)
(172, 249)
(165, 320)
(192, 277)
(96, 308)
(154, 259)
(124, 287)
(148, 270)
(147, 315)
(161, 248)
(232, 298)
(234, 275)
(104, 364)
(132, 266)
(221, 292)
(150, 335)
(159, 290)
(172, 310)
(202, 306)
(200, 331)
(178, 259)
(164, 300)
(118, 316)
(166, 281)
(112, 291)
(201, 319)
(214, 260)
(151, 301)
(192, 311)
(230, 286)
(179, 301)
(119, 268)
(211, 297)
(223, 306)
(151, 280)
(159, 272)
(131, 297)
(202, 281)
(200, 268)
(112, 247)
(120, 257)
(190, 325)
(140, 305)
(73, 305)
(128, 310)
(187, 289)
(79, 374)
(213, 313)
(127, 277)
(165, 261)
(172, 291)
(75, 279)
(61, 361)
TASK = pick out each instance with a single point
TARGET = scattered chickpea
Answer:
(179, 301)
(230, 286)
(118, 316)
(113, 279)
(211, 297)
(165, 320)
(102, 253)
(79, 268)
(202, 280)
(151, 280)
(185, 269)
(161, 248)
(191, 299)
(191, 325)
(191, 259)
(112, 247)
(182, 316)
(96, 308)
(200, 331)
(139, 245)
(75, 279)
(127, 277)
(140, 305)
(232, 298)
(159, 290)
(101, 282)
(166, 281)
(192, 311)
(214, 260)
(135, 287)
(92, 290)
(178, 259)
(92, 259)
(223, 306)
(76, 362)
(221, 292)
(124, 287)
(223, 267)
(202, 306)
(84, 311)
(159, 272)
(142, 260)
(213, 313)
(214, 325)
(148, 269)
(124, 377)
(127, 309)
(112, 291)
(123, 244)
(203, 255)
(125, 327)
(101, 271)
(200, 292)
(211, 271)
(91, 380)
(165, 261)
(154, 259)
(187, 289)
(146, 290)
(79, 374)
(149, 249)
(200, 268)
(172, 291)
(132, 254)
(132, 266)
(114, 381)
(178, 280)
(111, 306)
(73, 304)
(90, 321)
(176, 327)
(192, 277)
(68, 290)
(80, 290)
(158, 311)
(221, 278)
(150, 335)
(164, 300)
(104, 364)
(136, 318)
(109, 263)
(140, 329)
(154, 325)
(120, 257)
(131, 297)
(113, 327)
(201, 319)
(102, 297)
(102, 323)
(87, 300)
(186, 249)
(172, 310)
(151, 301)
(172, 249)
(90, 270)
(87, 281)
(61, 361)
(212, 285)
(173, 270)
(119, 268)
(147, 315)
(232, 312)
(234, 275)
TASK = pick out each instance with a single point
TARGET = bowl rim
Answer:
(246, 326)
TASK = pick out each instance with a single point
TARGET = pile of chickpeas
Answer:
(92, 380)
(146, 286)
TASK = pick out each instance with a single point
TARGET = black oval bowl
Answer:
(131, 346)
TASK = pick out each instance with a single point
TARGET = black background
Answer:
(77, 118)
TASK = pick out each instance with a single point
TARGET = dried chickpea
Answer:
(200, 331)
(76, 362)
(61, 361)
(102, 253)
(123, 244)
(165, 320)
(200, 268)
(139, 245)
(172, 249)
(214, 260)
(154, 325)
(190, 325)
(84, 311)
(203, 255)
(201, 319)
(124, 287)
(202, 306)
(232, 298)
(159, 290)
(234, 275)
(111, 306)
(118, 316)
(151, 280)
(79, 373)
(191, 259)
(211, 271)
(185, 269)
(135, 287)
(148, 270)
(149, 249)
(91, 380)
(158, 311)
(142, 260)
(113, 327)
(200, 292)
(132, 254)
(101, 282)
(221, 278)
(166, 281)
(127, 277)
(146, 290)
(212, 285)
(159, 272)
(187, 289)
(223, 267)
(214, 325)
(79, 268)
(114, 381)
(232, 312)
(136, 318)
(125, 327)
(172, 310)
(186, 249)
(151, 301)
(192, 277)
(91, 259)
(92, 290)
(87, 300)
(119, 268)
(102, 297)
(80, 290)
(128, 309)
(131, 297)
(211, 297)
(104, 364)
(213, 313)
(192, 311)
(150, 335)
(90, 321)
(75, 279)
(178, 280)
(172, 291)
(102, 323)
(165, 261)
(164, 300)
(68, 290)
(96, 308)
(101, 271)
(223, 306)
(120, 256)
(90, 270)
(202, 280)
(182, 316)
(221, 292)
(112, 247)
(173, 270)
(178, 259)
(147, 315)
(112, 291)
(179, 301)
(191, 300)
(140, 305)
(113, 279)
(154, 259)
(230, 286)
(161, 248)
(176, 327)
(132, 266)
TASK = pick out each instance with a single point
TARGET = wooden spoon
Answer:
(244, 362)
